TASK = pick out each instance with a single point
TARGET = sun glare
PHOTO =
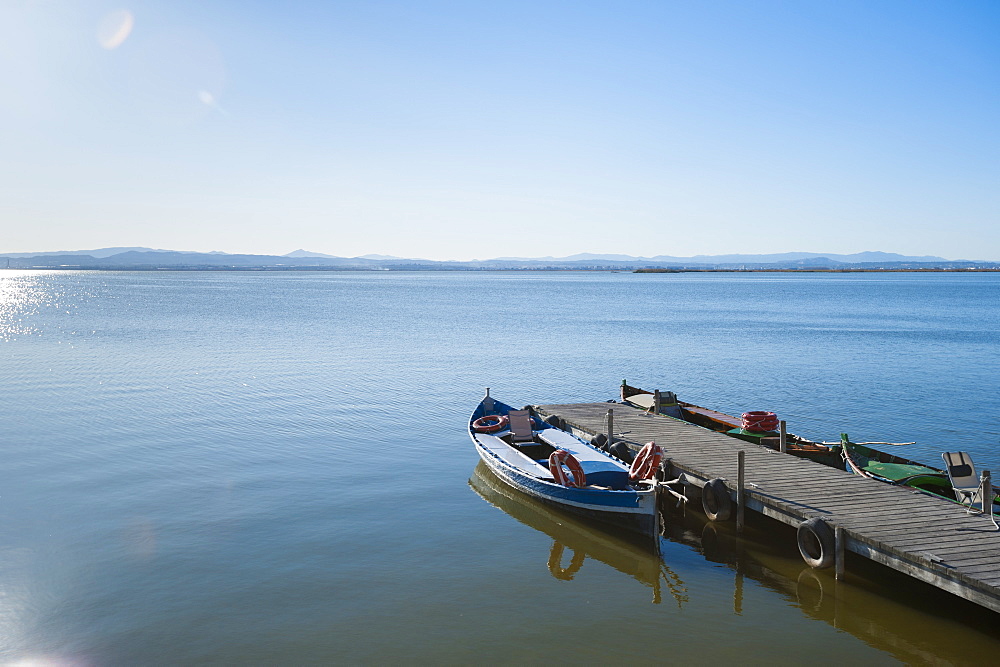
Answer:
(22, 294)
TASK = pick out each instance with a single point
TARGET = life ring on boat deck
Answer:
(716, 501)
(759, 422)
(490, 424)
(560, 458)
(816, 543)
(646, 463)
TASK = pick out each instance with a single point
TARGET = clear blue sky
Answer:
(458, 130)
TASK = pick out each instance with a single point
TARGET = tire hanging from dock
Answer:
(621, 451)
(816, 543)
(716, 501)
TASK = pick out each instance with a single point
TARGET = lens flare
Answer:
(115, 29)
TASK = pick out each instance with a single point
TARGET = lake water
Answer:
(273, 468)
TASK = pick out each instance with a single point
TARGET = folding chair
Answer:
(962, 473)
(520, 426)
(968, 487)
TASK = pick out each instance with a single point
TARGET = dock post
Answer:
(611, 429)
(838, 542)
(782, 437)
(657, 400)
(987, 496)
(741, 499)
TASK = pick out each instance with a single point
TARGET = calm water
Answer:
(274, 468)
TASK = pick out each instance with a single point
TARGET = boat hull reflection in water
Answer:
(575, 540)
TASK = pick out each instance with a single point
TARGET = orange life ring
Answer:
(646, 463)
(560, 458)
(490, 424)
(760, 422)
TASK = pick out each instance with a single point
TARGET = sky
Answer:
(462, 130)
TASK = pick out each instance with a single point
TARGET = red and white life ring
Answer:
(646, 462)
(560, 458)
(490, 424)
(760, 422)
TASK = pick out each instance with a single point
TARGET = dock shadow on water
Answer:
(908, 620)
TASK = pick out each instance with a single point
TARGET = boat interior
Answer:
(527, 442)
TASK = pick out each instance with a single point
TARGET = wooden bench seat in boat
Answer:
(599, 469)
(513, 456)
(719, 417)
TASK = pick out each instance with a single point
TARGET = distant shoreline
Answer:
(547, 269)
(821, 270)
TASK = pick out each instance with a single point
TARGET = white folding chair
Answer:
(520, 426)
(962, 473)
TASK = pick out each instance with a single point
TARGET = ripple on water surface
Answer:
(237, 467)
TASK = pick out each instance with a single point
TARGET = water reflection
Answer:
(635, 558)
(22, 294)
(912, 621)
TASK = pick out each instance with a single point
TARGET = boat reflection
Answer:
(914, 622)
(624, 552)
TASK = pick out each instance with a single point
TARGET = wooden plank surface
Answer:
(918, 534)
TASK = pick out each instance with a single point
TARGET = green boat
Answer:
(867, 462)
(892, 469)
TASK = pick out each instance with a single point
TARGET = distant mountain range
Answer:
(101, 253)
(150, 259)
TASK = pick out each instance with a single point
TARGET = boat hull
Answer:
(635, 511)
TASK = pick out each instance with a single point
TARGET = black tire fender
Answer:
(716, 501)
(816, 543)
(622, 451)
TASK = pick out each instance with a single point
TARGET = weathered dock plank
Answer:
(923, 536)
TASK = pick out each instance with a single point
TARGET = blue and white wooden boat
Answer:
(608, 495)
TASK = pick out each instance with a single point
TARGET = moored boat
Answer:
(558, 468)
(761, 424)
(897, 470)
(884, 467)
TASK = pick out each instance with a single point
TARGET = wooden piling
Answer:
(782, 437)
(987, 496)
(741, 500)
(838, 541)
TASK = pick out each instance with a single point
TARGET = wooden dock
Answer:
(923, 536)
